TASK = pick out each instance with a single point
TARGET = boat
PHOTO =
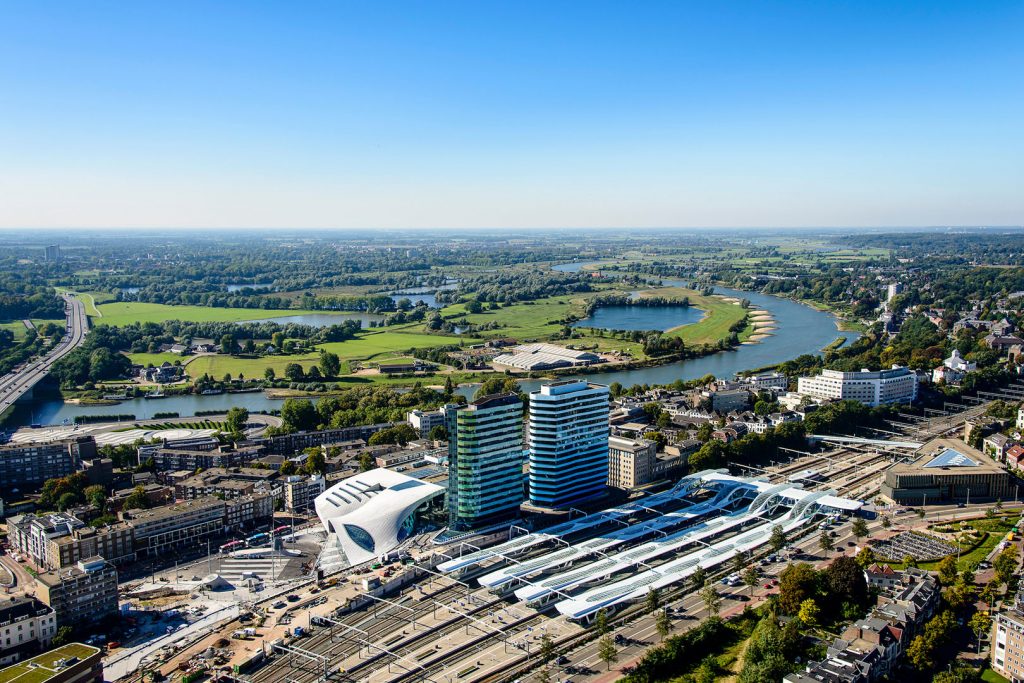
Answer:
(155, 394)
(211, 392)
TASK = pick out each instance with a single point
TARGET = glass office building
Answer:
(568, 443)
(485, 461)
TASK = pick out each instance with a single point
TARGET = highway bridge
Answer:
(19, 383)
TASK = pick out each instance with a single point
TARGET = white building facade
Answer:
(872, 388)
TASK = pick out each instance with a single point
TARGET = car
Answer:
(743, 598)
(832, 534)
(293, 598)
(852, 544)
(279, 605)
(619, 640)
(562, 659)
(775, 582)
(768, 585)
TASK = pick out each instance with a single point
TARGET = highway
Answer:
(15, 384)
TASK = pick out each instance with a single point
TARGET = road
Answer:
(14, 385)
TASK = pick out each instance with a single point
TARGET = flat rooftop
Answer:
(43, 667)
(949, 456)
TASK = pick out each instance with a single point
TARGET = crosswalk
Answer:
(265, 568)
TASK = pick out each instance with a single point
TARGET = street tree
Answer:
(712, 600)
(699, 578)
(980, 623)
(607, 652)
(751, 577)
(778, 538)
(547, 648)
(653, 600)
(663, 623)
(859, 528)
(948, 571)
(601, 622)
(825, 542)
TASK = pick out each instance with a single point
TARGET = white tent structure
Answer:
(371, 513)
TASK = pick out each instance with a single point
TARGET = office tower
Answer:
(485, 461)
(53, 253)
(568, 443)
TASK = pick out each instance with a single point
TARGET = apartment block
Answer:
(299, 492)
(25, 467)
(247, 510)
(71, 663)
(83, 593)
(161, 529)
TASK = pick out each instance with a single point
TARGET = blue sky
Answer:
(515, 114)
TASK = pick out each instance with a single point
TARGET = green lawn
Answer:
(127, 312)
(718, 318)
(156, 359)
(17, 328)
(990, 676)
(368, 345)
(523, 321)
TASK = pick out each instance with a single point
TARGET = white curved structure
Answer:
(371, 513)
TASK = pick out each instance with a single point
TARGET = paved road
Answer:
(14, 385)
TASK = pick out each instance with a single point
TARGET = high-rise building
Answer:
(485, 461)
(568, 443)
(53, 253)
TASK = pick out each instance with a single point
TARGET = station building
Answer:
(948, 471)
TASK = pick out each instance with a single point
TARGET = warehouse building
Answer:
(545, 357)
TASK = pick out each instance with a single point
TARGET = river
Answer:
(801, 329)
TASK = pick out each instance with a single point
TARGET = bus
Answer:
(257, 539)
(232, 545)
(281, 529)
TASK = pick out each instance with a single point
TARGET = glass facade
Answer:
(485, 461)
(568, 443)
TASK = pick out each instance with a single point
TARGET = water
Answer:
(576, 266)
(422, 294)
(801, 329)
(319, 319)
(55, 411)
(242, 285)
(641, 317)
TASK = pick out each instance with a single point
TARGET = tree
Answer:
(981, 624)
(316, 462)
(277, 340)
(366, 462)
(601, 622)
(825, 542)
(808, 613)
(959, 595)
(496, 385)
(298, 415)
(269, 374)
(653, 600)
(948, 570)
(294, 372)
(663, 623)
(227, 344)
(236, 420)
(751, 577)
(330, 364)
(97, 496)
(712, 600)
(699, 577)
(778, 539)
(547, 648)
(606, 651)
(62, 637)
(288, 467)
(886, 522)
(866, 557)
(844, 582)
(449, 386)
(137, 499)
(438, 433)
(797, 582)
(909, 561)
(1005, 563)
(859, 528)
(739, 562)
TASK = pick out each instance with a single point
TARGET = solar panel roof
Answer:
(951, 458)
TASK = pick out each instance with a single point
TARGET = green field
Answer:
(523, 321)
(127, 312)
(383, 344)
(156, 359)
(719, 315)
(17, 328)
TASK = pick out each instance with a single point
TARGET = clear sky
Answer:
(513, 114)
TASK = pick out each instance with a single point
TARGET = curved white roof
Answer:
(366, 512)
